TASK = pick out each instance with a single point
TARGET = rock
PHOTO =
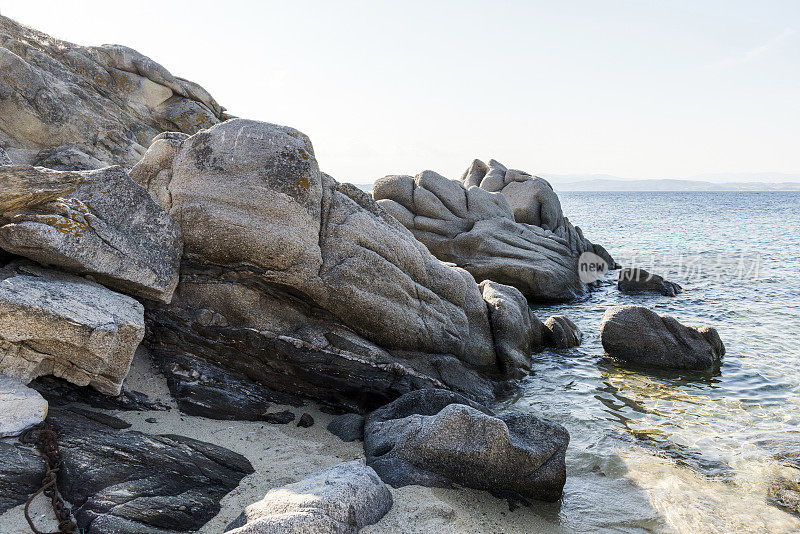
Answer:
(306, 421)
(4, 159)
(637, 335)
(561, 333)
(475, 229)
(21, 473)
(341, 499)
(108, 228)
(75, 107)
(279, 418)
(635, 280)
(347, 427)
(208, 390)
(59, 392)
(438, 438)
(785, 494)
(67, 326)
(278, 278)
(148, 483)
(20, 407)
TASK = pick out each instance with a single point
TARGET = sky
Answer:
(637, 89)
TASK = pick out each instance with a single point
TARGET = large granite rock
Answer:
(635, 280)
(97, 223)
(437, 438)
(20, 407)
(306, 285)
(638, 335)
(60, 324)
(561, 333)
(73, 107)
(475, 227)
(339, 500)
(131, 482)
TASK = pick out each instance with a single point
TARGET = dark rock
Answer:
(58, 392)
(151, 420)
(347, 427)
(561, 333)
(637, 335)
(305, 421)
(104, 419)
(131, 482)
(208, 390)
(634, 280)
(21, 473)
(438, 438)
(279, 418)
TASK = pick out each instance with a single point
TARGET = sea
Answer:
(689, 452)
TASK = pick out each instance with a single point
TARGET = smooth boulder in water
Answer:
(638, 335)
(635, 280)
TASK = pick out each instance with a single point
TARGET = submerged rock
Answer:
(339, 500)
(637, 335)
(438, 438)
(76, 107)
(20, 407)
(102, 224)
(561, 333)
(131, 482)
(307, 286)
(635, 280)
(510, 229)
(67, 326)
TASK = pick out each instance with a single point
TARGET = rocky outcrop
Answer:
(306, 285)
(637, 335)
(515, 235)
(339, 500)
(98, 223)
(131, 482)
(635, 280)
(20, 407)
(561, 333)
(73, 107)
(60, 324)
(437, 438)
(21, 473)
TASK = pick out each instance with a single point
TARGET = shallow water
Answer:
(685, 452)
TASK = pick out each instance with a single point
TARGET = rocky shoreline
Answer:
(262, 296)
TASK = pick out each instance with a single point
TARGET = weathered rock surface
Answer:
(347, 427)
(561, 332)
(131, 482)
(638, 335)
(21, 473)
(20, 407)
(635, 280)
(306, 285)
(60, 324)
(59, 392)
(475, 227)
(339, 500)
(97, 223)
(4, 158)
(437, 438)
(73, 107)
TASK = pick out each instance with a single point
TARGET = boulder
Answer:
(60, 324)
(306, 285)
(475, 228)
(638, 335)
(338, 500)
(561, 332)
(20, 407)
(98, 223)
(347, 427)
(74, 107)
(438, 438)
(635, 280)
(145, 483)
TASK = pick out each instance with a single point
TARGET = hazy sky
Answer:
(644, 89)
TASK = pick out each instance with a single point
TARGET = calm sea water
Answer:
(678, 452)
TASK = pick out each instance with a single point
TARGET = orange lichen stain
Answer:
(304, 154)
(66, 226)
(303, 182)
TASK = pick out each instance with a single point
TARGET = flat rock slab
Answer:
(20, 407)
(439, 438)
(63, 325)
(341, 500)
(131, 482)
(637, 335)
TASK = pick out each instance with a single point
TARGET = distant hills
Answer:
(702, 182)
